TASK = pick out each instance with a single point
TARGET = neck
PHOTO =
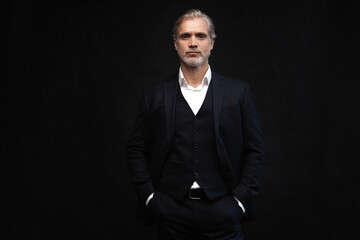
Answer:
(194, 75)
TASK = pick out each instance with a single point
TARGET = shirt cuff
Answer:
(240, 204)
(149, 198)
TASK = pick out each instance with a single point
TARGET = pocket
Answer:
(234, 107)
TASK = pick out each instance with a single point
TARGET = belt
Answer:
(197, 194)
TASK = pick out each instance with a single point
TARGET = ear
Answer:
(212, 43)
(175, 44)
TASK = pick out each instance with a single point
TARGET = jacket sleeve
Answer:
(137, 152)
(253, 161)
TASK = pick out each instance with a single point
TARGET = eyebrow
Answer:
(190, 33)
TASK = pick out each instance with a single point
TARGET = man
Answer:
(196, 151)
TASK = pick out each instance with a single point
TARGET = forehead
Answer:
(193, 25)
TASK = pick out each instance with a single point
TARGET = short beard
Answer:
(194, 63)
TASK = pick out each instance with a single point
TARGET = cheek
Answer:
(181, 49)
(207, 48)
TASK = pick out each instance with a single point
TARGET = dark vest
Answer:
(193, 156)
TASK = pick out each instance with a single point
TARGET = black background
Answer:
(74, 72)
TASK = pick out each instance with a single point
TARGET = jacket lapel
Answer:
(218, 96)
(219, 88)
(170, 94)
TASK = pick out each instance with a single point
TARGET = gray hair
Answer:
(194, 13)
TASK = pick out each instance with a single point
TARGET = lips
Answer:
(192, 52)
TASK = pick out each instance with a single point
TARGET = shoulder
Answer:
(155, 92)
(156, 87)
(231, 83)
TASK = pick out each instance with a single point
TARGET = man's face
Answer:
(193, 42)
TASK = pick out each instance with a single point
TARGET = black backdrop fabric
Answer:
(72, 80)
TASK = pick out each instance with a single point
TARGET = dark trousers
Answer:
(219, 219)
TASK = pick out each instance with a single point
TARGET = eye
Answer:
(202, 36)
(184, 36)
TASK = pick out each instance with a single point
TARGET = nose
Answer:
(192, 42)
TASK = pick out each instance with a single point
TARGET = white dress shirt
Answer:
(195, 98)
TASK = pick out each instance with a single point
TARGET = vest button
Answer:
(196, 173)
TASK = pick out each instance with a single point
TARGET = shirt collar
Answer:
(206, 80)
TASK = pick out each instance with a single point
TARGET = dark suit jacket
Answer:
(239, 139)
